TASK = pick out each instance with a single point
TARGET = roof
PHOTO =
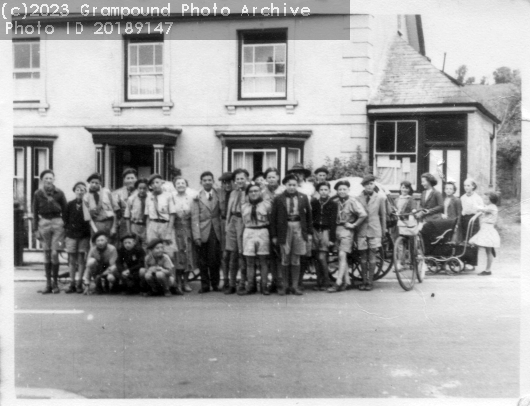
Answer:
(496, 98)
(409, 79)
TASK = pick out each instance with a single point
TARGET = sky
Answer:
(482, 38)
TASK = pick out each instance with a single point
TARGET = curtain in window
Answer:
(293, 156)
(270, 160)
(249, 163)
(18, 181)
(237, 159)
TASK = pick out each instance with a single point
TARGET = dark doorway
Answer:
(139, 157)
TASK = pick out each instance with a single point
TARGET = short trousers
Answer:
(256, 242)
(321, 240)
(164, 232)
(294, 246)
(344, 239)
(139, 231)
(234, 234)
(364, 243)
(77, 245)
(52, 233)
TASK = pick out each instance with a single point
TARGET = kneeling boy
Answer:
(101, 265)
(131, 258)
(158, 271)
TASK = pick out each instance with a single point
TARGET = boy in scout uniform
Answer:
(121, 195)
(158, 272)
(160, 214)
(206, 232)
(371, 232)
(227, 186)
(101, 265)
(99, 207)
(135, 212)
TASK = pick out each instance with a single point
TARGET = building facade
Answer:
(264, 97)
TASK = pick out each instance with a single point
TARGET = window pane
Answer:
(248, 69)
(145, 54)
(248, 86)
(293, 156)
(406, 137)
(453, 167)
(280, 85)
(41, 160)
(270, 161)
(264, 68)
(133, 84)
(35, 55)
(147, 84)
(280, 68)
(450, 128)
(279, 53)
(159, 84)
(133, 55)
(264, 85)
(19, 162)
(22, 75)
(385, 137)
(237, 160)
(264, 53)
(248, 54)
(158, 54)
(22, 55)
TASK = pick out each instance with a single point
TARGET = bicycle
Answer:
(409, 253)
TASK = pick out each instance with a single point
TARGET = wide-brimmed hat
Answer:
(299, 167)
(368, 179)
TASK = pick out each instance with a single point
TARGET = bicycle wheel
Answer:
(405, 262)
(420, 259)
(354, 266)
(194, 275)
(385, 257)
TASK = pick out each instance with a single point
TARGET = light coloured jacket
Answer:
(206, 214)
(375, 223)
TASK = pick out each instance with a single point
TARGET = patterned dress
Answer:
(186, 255)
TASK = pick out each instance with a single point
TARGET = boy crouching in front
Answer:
(158, 271)
(101, 268)
(131, 258)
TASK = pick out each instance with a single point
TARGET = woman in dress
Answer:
(185, 259)
(431, 203)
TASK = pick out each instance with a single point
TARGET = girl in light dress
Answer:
(488, 237)
(185, 260)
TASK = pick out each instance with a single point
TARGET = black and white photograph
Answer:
(308, 201)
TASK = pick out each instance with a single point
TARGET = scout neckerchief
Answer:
(342, 205)
(142, 206)
(155, 200)
(237, 207)
(368, 196)
(95, 194)
(291, 197)
(253, 213)
(48, 193)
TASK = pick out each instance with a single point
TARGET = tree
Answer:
(461, 74)
(483, 80)
(504, 75)
(470, 80)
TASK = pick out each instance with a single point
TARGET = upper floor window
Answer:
(145, 69)
(263, 64)
(26, 70)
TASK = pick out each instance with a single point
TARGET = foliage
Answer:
(461, 74)
(470, 80)
(509, 148)
(506, 75)
(484, 80)
(353, 165)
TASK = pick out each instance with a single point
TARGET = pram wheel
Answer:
(432, 265)
(454, 265)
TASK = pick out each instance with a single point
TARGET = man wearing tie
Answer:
(206, 232)
(234, 232)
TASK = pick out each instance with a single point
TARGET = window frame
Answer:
(39, 70)
(394, 153)
(240, 63)
(252, 150)
(143, 39)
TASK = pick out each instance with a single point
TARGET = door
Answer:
(139, 157)
(447, 164)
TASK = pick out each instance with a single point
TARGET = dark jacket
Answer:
(74, 221)
(48, 206)
(133, 260)
(454, 212)
(433, 207)
(325, 216)
(279, 217)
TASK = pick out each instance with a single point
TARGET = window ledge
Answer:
(288, 104)
(42, 107)
(164, 105)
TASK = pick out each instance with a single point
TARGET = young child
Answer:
(99, 207)
(256, 240)
(77, 242)
(404, 204)
(131, 257)
(291, 229)
(452, 210)
(158, 271)
(372, 230)
(487, 237)
(135, 212)
(350, 215)
(324, 232)
(101, 265)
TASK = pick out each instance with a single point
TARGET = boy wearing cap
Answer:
(350, 215)
(101, 265)
(160, 214)
(372, 231)
(206, 232)
(99, 207)
(234, 232)
(158, 271)
(131, 258)
(226, 180)
(135, 212)
(121, 195)
(77, 242)
(291, 229)
(321, 175)
(49, 208)
(324, 211)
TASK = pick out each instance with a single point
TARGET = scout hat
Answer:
(127, 236)
(95, 175)
(153, 177)
(368, 179)
(154, 242)
(341, 183)
(299, 167)
(79, 184)
(99, 234)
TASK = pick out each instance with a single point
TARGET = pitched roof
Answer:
(410, 79)
(496, 98)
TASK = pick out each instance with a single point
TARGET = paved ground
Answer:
(443, 339)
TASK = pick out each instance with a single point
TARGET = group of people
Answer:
(148, 236)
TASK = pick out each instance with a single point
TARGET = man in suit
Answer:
(234, 232)
(291, 230)
(206, 232)
(371, 232)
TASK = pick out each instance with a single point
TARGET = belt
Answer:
(320, 228)
(257, 228)
(160, 221)
(293, 218)
(236, 214)
(223, 217)
(139, 223)
(50, 216)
